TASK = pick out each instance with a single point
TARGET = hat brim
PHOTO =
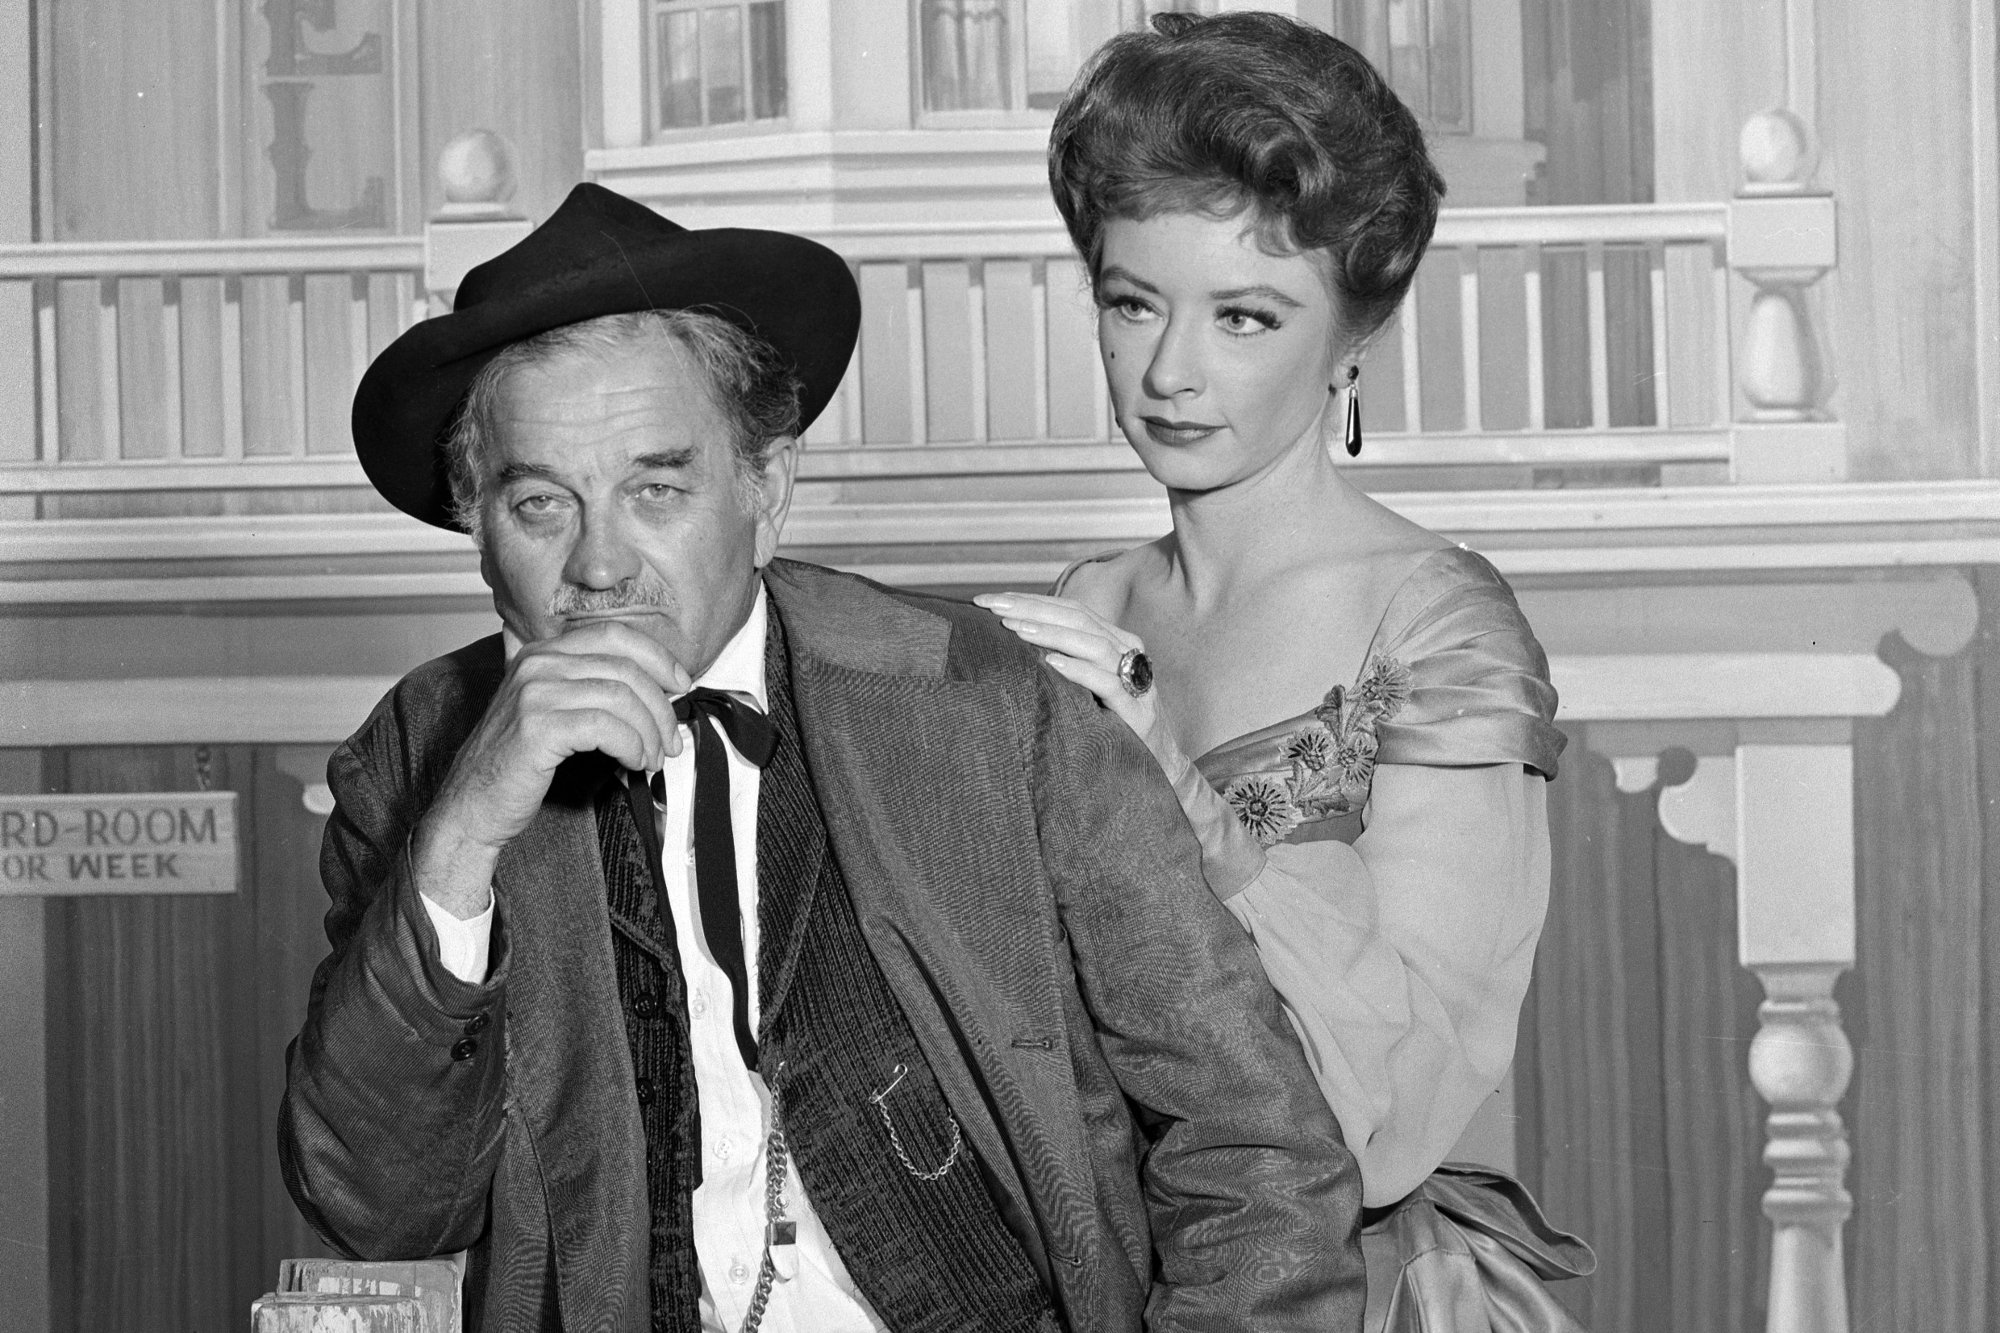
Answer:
(794, 293)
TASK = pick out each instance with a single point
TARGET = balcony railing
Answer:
(1574, 341)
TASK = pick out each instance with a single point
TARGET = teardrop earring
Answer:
(1352, 432)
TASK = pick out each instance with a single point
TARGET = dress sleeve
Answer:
(1478, 681)
(1402, 960)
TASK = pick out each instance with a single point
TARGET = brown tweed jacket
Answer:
(1033, 896)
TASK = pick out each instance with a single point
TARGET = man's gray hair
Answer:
(753, 388)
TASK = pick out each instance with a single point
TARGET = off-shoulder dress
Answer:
(1401, 941)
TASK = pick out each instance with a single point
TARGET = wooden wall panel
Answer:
(167, 1021)
(132, 120)
(1639, 1129)
(1985, 652)
(1922, 1123)
(1899, 310)
(1582, 1124)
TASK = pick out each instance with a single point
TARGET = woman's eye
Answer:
(1127, 307)
(1240, 320)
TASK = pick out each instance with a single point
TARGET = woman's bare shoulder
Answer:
(1104, 582)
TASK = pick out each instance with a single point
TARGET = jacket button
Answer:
(465, 1049)
(477, 1024)
(645, 1091)
(647, 1005)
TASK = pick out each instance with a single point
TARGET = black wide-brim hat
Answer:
(598, 254)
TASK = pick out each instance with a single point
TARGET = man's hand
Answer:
(602, 686)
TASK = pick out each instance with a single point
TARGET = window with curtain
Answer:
(1014, 55)
(717, 62)
(1422, 47)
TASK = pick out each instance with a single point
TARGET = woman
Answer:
(1370, 713)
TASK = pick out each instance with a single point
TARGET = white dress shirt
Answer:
(729, 1211)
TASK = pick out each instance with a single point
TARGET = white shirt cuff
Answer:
(463, 946)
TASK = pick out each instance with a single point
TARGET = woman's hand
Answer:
(1085, 647)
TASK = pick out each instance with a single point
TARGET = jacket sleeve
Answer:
(390, 1127)
(1255, 1199)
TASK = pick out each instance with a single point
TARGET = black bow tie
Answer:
(714, 834)
(749, 730)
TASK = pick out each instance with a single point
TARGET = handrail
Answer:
(1578, 224)
(118, 259)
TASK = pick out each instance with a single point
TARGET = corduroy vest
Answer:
(868, 1127)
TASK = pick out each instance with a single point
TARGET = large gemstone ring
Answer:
(1135, 672)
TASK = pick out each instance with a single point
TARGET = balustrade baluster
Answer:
(172, 424)
(357, 329)
(1100, 399)
(47, 401)
(975, 319)
(1600, 337)
(1038, 324)
(110, 427)
(295, 360)
(913, 304)
(1538, 389)
(232, 367)
(1725, 377)
(1413, 384)
(1656, 270)
(850, 399)
(1468, 333)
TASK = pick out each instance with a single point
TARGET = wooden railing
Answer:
(217, 352)
(1506, 353)
(1535, 339)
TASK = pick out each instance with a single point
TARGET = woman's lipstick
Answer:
(1164, 431)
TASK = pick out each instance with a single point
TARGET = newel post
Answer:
(1782, 241)
(1779, 802)
(476, 172)
(1796, 927)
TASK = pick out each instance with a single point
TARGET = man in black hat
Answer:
(730, 942)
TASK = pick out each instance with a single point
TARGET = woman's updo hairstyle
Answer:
(1251, 110)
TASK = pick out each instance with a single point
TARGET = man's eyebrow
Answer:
(670, 458)
(511, 472)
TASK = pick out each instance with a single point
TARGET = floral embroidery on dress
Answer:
(1332, 757)
(1262, 806)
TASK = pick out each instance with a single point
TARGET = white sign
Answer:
(118, 842)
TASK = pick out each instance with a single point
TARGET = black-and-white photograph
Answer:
(1019, 666)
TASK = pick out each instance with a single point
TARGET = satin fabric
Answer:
(1479, 689)
(1468, 1251)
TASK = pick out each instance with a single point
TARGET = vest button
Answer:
(476, 1024)
(647, 1005)
(645, 1091)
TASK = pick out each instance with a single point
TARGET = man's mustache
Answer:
(645, 595)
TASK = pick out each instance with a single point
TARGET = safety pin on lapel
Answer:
(881, 1100)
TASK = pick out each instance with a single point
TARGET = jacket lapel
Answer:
(791, 842)
(949, 897)
(569, 1070)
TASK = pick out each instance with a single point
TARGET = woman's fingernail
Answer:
(994, 601)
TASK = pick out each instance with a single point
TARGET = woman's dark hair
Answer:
(1258, 111)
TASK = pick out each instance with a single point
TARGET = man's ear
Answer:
(771, 495)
